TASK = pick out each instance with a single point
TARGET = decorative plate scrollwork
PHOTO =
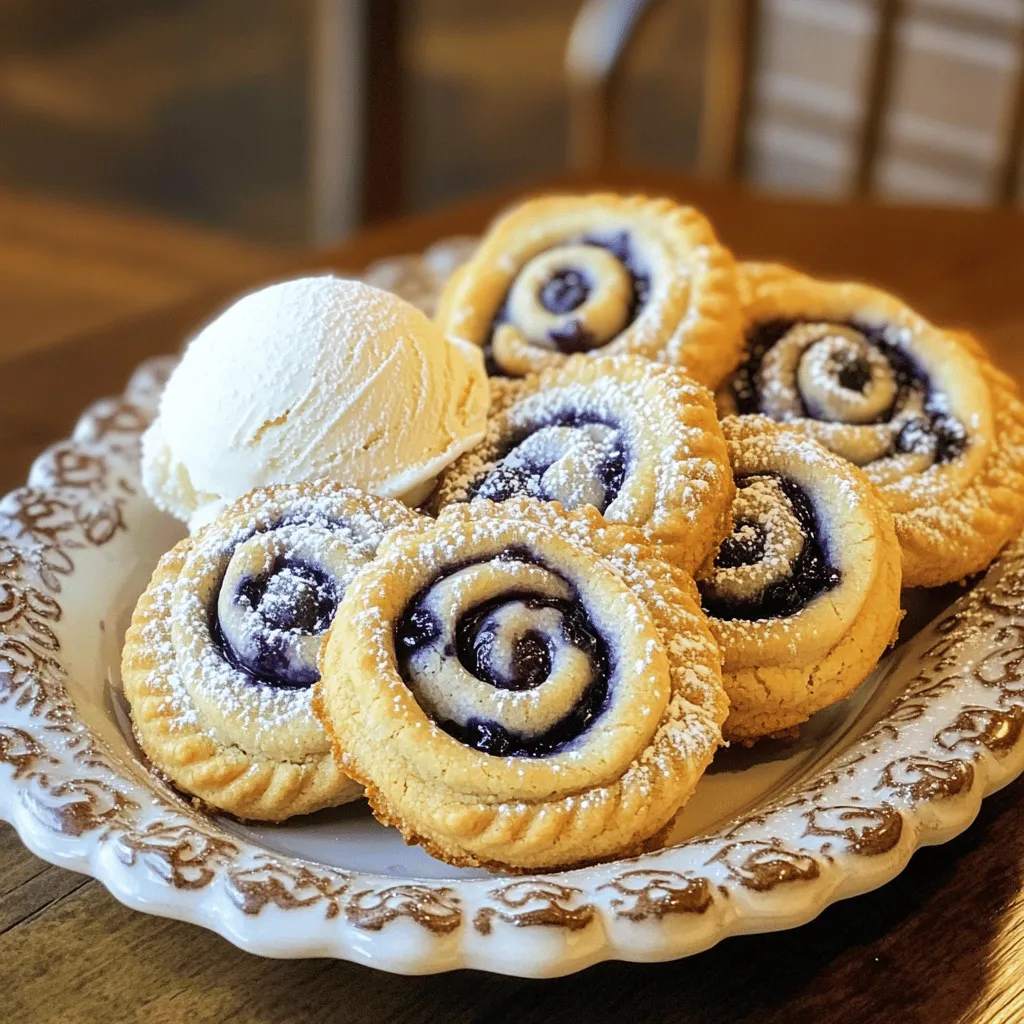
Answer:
(764, 865)
(535, 902)
(436, 908)
(22, 751)
(925, 778)
(1003, 668)
(643, 895)
(991, 728)
(901, 712)
(865, 831)
(74, 807)
(1006, 595)
(271, 882)
(177, 852)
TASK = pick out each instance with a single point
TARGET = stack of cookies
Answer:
(515, 575)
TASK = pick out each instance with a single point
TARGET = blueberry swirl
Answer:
(279, 594)
(854, 387)
(934, 425)
(636, 441)
(519, 686)
(574, 297)
(601, 275)
(774, 561)
(504, 657)
(576, 463)
(256, 598)
(220, 660)
(804, 594)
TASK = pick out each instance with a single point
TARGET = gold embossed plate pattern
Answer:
(771, 838)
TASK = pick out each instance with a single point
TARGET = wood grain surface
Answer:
(65, 268)
(943, 943)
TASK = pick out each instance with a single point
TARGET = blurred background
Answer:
(291, 121)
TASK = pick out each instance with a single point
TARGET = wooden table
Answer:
(942, 943)
(66, 267)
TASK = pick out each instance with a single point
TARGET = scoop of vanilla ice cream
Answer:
(314, 378)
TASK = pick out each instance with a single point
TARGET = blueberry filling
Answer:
(620, 245)
(569, 289)
(612, 473)
(854, 375)
(504, 483)
(417, 628)
(811, 573)
(267, 663)
(476, 637)
(744, 546)
(565, 291)
(532, 658)
(950, 437)
(294, 598)
(531, 664)
(572, 338)
(949, 433)
(524, 479)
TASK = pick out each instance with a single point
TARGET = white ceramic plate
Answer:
(771, 837)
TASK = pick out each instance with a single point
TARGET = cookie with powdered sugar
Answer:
(934, 425)
(522, 689)
(219, 661)
(602, 274)
(637, 441)
(804, 596)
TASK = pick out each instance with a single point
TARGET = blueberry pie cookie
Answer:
(637, 441)
(521, 689)
(601, 274)
(935, 426)
(804, 596)
(222, 651)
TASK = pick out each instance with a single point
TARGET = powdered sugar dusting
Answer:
(636, 440)
(204, 653)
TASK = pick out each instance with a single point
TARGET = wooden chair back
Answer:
(597, 56)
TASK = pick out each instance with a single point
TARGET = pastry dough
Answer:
(522, 689)
(222, 651)
(602, 274)
(804, 596)
(936, 427)
(637, 441)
